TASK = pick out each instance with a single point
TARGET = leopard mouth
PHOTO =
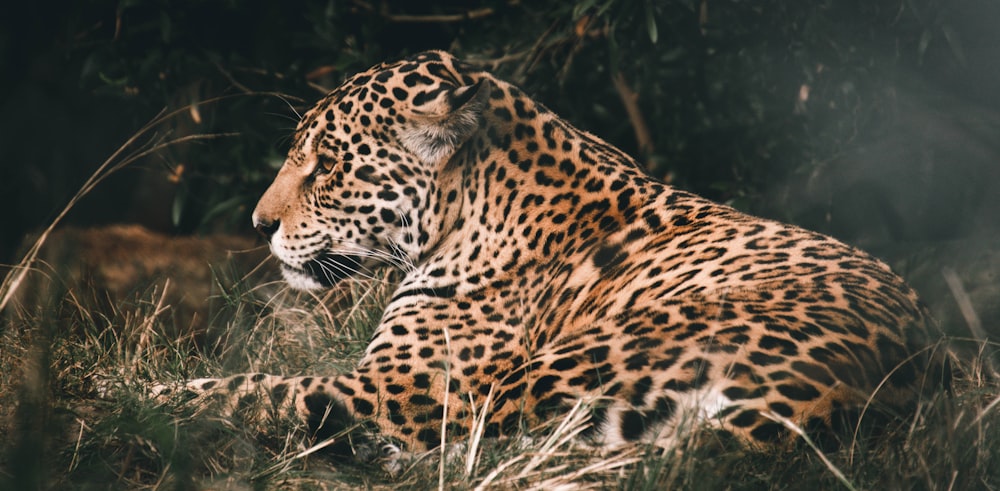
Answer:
(325, 269)
(330, 269)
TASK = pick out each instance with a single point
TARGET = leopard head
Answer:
(360, 185)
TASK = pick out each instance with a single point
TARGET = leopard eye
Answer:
(324, 165)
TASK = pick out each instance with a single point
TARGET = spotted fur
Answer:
(542, 265)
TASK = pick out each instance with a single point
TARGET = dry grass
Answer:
(75, 414)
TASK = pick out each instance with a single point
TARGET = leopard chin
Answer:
(324, 271)
(299, 279)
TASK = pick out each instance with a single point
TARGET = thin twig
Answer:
(441, 18)
(232, 80)
(430, 18)
(479, 420)
(630, 99)
(964, 303)
(444, 410)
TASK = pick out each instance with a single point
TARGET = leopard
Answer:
(540, 266)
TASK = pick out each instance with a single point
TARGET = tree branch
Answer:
(429, 18)
(631, 101)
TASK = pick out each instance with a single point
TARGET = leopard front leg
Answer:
(368, 411)
(418, 384)
(327, 406)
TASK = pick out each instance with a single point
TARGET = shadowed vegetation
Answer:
(872, 121)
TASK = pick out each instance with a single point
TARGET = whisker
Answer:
(396, 256)
(331, 269)
(290, 106)
(295, 119)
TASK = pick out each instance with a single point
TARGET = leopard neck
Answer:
(531, 187)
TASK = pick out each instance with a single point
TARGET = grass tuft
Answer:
(75, 412)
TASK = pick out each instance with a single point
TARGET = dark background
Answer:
(874, 121)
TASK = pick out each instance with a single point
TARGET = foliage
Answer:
(731, 95)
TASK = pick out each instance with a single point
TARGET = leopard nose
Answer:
(265, 227)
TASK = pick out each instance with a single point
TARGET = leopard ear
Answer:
(442, 123)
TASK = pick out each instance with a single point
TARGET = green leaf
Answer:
(582, 8)
(604, 8)
(178, 208)
(651, 22)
